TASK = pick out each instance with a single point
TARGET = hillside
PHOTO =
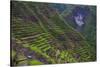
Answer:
(40, 35)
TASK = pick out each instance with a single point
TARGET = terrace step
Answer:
(45, 49)
(41, 44)
(32, 36)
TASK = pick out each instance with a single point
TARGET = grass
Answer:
(35, 62)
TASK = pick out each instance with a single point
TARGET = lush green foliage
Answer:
(41, 35)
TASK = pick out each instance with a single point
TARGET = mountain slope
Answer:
(42, 36)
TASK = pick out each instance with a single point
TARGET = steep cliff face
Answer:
(41, 35)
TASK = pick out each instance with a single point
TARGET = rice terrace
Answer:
(52, 33)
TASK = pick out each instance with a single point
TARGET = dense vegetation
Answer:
(43, 34)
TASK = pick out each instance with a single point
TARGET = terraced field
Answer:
(40, 35)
